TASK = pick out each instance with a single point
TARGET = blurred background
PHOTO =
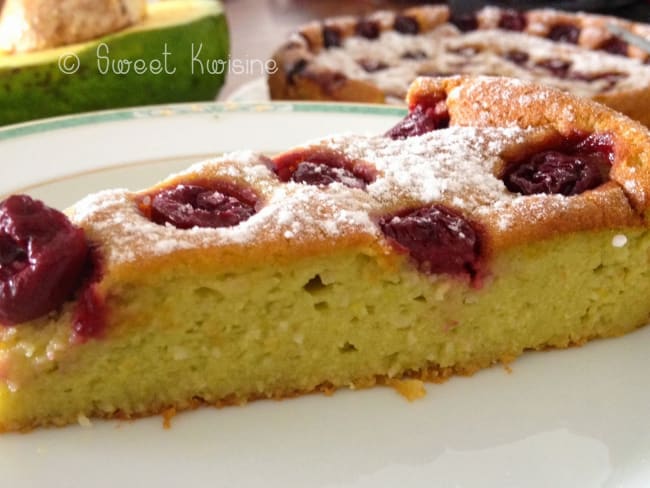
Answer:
(257, 27)
(33, 83)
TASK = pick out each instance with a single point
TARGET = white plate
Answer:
(576, 418)
(252, 91)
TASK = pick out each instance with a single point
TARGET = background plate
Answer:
(576, 418)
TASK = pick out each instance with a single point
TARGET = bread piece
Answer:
(34, 25)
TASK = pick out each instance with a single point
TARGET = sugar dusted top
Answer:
(459, 167)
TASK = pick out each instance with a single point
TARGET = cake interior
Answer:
(185, 335)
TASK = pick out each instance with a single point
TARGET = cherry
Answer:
(558, 67)
(465, 22)
(615, 45)
(331, 37)
(512, 20)
(90, 315)
(420, 120)
(406, 25)
(323, 175)
(416, 55)
(42, 257)
(517, 57)
(322, 169)
(435, 74)
(564, 33)
(570, 167)
(367, 28)
(611, 78)
(200, 204)
(438, 238)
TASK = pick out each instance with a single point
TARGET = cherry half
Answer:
(512, 20)
(422, 118)
(465, 22)
(42, 259)
(321, 168)
(564, 33)
(199, 204)
(90, 315)
(405, 24)
(438, 238)
(570, 166)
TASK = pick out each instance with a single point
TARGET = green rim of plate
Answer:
(159, 111)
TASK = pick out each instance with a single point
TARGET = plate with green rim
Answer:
(574, 418)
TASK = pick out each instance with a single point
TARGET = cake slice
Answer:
(498, 216)
(375, 58)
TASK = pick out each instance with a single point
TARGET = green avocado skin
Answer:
(43, 90)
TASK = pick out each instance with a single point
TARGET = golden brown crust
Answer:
(632, 103)
(623, 203)
(488, 102)
(314, 82)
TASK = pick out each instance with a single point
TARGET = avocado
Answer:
(179, 53)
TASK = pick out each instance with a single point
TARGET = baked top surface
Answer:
(575, 52)
(457, 167)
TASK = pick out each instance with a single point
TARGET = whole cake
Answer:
(375, 58)
(498, 216)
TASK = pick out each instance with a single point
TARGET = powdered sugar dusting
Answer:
(290, 210)
(445, 50)
(454, 166)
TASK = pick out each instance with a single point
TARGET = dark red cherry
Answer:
(323, 175)
(42, 257)
(570, 167)
(416, 55)
(406, 25)
(331, 37)
(465, 22)
(420, 120)
(512, 20)
(610, 78)
(615, 45)
(517, 57)
(90, 315)
(89, 318)
(367, 28)
(438, 238)
(558, 67)
(322, 169)
(564, 33)
(200, 204)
